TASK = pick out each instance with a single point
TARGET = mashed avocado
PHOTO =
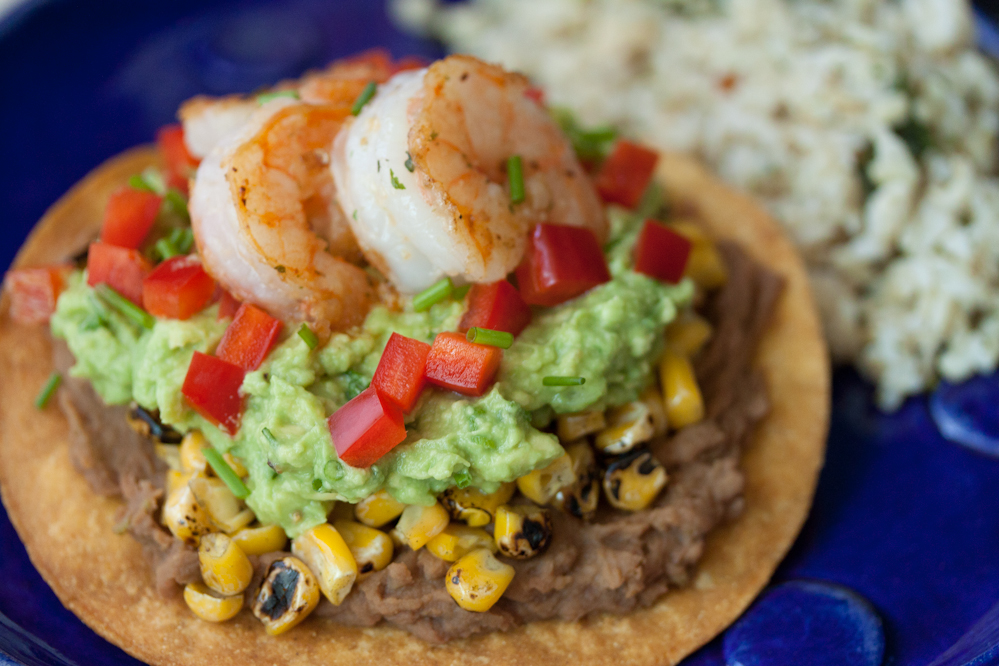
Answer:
(611, 336)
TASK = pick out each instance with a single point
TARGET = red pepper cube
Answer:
(180, 164)
(560, 263)
(120, 268)
(34, 292)
(248, 338)
(459, 365)
(178, 288)
(211, 387)
(626, 173)
(661, 252)
(536, 95)
(400, 375)
(228, 305)
(128, 217)
(366, 428)
(497, 306)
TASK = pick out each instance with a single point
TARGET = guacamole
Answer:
(611, 336)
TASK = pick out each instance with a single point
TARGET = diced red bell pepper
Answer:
(560, 263)
(498, 306)
(129, 216)
(459, 365)
(228, 305)
(625, 174)
(180, 164)
(400, 375)
(661, 252)
(34, 292)
(536, 94)
(366, 428)
(118, 267)
(178, 288)
(211, 387)
(249, 337)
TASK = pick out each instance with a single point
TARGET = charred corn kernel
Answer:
(260, 540)
(633, 481)
(541, 485)
(208, 605)
(475, 507)
(627, 426)
(224, 566)
(170, 454)
(191, 457)
(342, 511)
(148, 424)
(581, 498)
(704, 265)
(522, 531)
(234, 463)
(681, 395)
(687, 334)
(325, 552)
(398, 540)
(372, 549)
(419, 524)
(378, 509)
(574, 426)
(227, 513)
(478, 580)
(287, 596)
(185, 517)
(175, 479)
(457, 540)
(653, 399)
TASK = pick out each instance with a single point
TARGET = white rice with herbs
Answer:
(868, 128)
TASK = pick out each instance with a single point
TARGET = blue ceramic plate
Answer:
(899, 562)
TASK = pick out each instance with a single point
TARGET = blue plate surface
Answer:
(905, 520)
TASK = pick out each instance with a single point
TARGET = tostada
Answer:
(396, 354)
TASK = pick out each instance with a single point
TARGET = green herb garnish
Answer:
(224, 472)
(462, 479)
(395, 181)
(126, 307)
(459, 293)
(269, 436)
(150, 180)
(487, 336)
(55, 379)
(268, 96)
(364, 97)
(308, 336)
(515, 175)
(182, 239)
(176, 203)
(590, 144)
(563, 381)
(409, 163)
(165, 249)
(435, 293)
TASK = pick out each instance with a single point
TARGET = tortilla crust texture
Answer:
(104, 579)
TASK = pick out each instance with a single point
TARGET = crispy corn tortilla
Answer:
(105, 580)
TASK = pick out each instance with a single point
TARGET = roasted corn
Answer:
(681, 394)
(478, 580)
(419, 524)
(372, 549)
(378, 509)
(227, 513)
(327, 555)
(184, 516)
(522, 531)
(208, 605)
(581, 498)
(633, 481)
(458, 539)
(541, 485)
(260, 540)
(192, 460)
(627, 426)
(475, 507)
(224, 566)
(287, 596)
(574, 426)
(687, 334)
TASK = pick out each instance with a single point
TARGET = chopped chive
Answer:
(165, 249)
(48, 390)
(268, 96)
(364, 97)
(176, 203)
(459, 293)
(269, 436)
(563, 381)
(462, 479)
(308, 336)
(395, 181)
(126, 307)
(182, 238)
(317, 484)
(435, 293)
(137, 182)
(154, 180)
(224, 472)
(409, 163)
(515, 174)
(487, 336)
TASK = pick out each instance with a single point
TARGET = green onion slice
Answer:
(126, 307)
(268, 96)
(487, 336)
(269, 436)
(55, 379)
(459, 293)
(224, 472)
(165, 249)
(462, 479)
(183, 239)
(308, 336)
(515, 174)
(395, 181)
(563, 381)
(435, 293)
(176, 203)
(364, 97)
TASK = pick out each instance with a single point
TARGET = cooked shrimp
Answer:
(266, 222)
(422, 174)
(207, 120)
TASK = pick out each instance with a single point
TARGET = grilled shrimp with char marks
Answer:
(421, 174)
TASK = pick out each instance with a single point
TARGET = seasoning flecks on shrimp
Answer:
(421, 173)
(266, 222)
